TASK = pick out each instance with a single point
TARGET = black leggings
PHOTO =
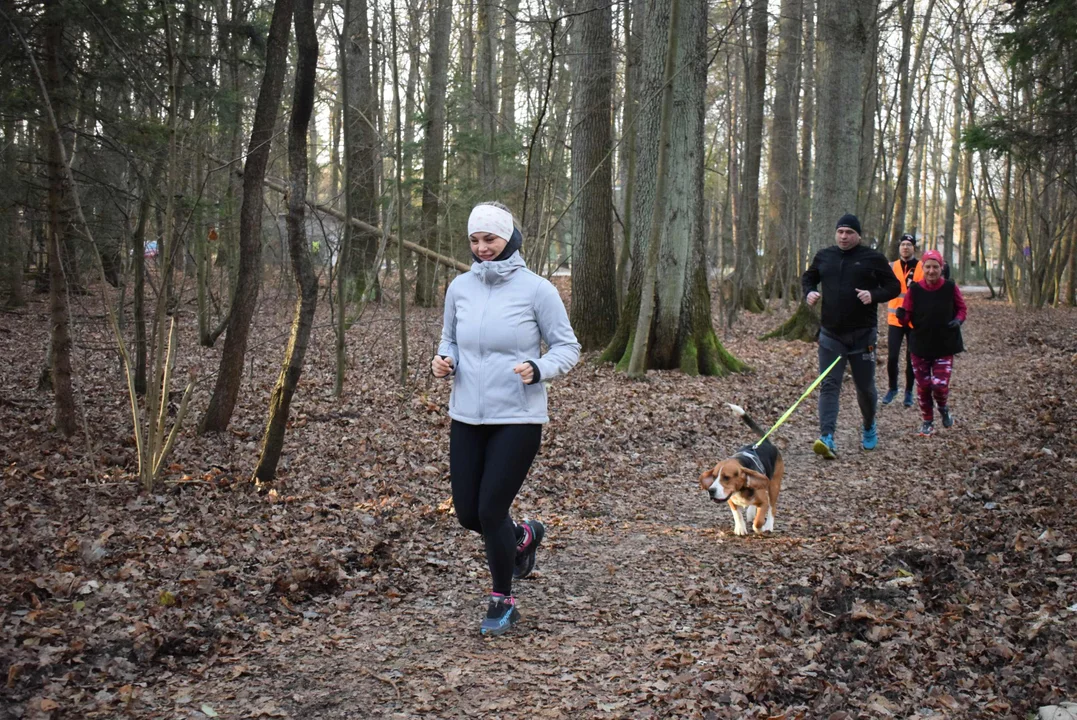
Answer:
(893, 356)
(488, 464)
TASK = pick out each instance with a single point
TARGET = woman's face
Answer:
(932, 271)
(487, 246)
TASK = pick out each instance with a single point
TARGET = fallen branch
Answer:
(365, 227)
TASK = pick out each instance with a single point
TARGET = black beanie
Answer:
(908, 237)
(848, 220)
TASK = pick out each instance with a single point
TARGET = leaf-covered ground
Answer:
(929, 578)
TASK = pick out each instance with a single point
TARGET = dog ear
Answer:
(760, 480)
(707, 478)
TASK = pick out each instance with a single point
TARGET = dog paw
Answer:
(740, 531)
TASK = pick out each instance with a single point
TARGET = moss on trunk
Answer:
(801, 325)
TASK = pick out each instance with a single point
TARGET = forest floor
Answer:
(933, 577)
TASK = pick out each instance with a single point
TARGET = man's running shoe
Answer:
(501, 615)
(870, 437)
(825, 446)
(889, 397)
(534, 531)
(908, 398)
(927, 429)
(947, 418)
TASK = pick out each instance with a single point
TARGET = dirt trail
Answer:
(918, 580)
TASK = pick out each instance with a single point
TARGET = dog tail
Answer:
(740, 412)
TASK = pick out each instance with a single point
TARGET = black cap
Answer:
(848, 220)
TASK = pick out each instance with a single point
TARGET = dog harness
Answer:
(762, 459)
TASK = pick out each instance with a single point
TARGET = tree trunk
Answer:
(9, 217)
(913, 208)
(60, 344)
(298, 246)
(248, 280)
(906, 79)
(683, 336)
(485, 79)
(955, 158)
(361, 117)
(869, 105)
(399, 186)
(966, 211)
(747, 226)
(433, 152)
(138, 259)
(628, 144)
(807, 125)
(780, 232)
(510, 70)
(594, 292)
(843, 58)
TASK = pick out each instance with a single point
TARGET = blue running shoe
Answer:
(908, 398)
(534, 531)
(825, 446)
(870, 438)
(947, 418)
(501, 615)
(927, 429)
(889, 397)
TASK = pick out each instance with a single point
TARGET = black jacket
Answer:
(838, 274)
(932, 310)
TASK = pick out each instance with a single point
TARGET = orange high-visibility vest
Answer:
(893, 305)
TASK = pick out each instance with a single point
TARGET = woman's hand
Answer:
(526, 372)
(441, 366)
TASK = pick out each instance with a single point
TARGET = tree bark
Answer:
(906, 78)
(9, 218)
(433, 151)
(842, 54)
(746, 280)
(248, 280)
(683, 336)
(510, 70)
(594, 292)
(807, 125)
(298, 246)
(361, 117)
(485, 79)
(65, 415)
(955, 155)
(780, 236)
(628, 144)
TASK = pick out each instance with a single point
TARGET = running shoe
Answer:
(870, 437)
(889, 397)
(534, 531)
(927, 429)
(908, 398)
(825, 446)
(947, 418)
(501, 615)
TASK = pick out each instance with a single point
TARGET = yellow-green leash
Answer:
(784, 417)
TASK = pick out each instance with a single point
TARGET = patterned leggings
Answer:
(932, 382)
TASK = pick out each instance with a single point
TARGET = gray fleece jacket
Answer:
(495, 317)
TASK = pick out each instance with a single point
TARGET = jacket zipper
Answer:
(482, 353)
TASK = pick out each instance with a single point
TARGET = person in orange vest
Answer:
(908, 270)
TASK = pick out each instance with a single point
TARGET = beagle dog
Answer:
(751, 478)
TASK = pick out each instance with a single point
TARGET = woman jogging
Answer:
(496, 315)
(936, 309)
